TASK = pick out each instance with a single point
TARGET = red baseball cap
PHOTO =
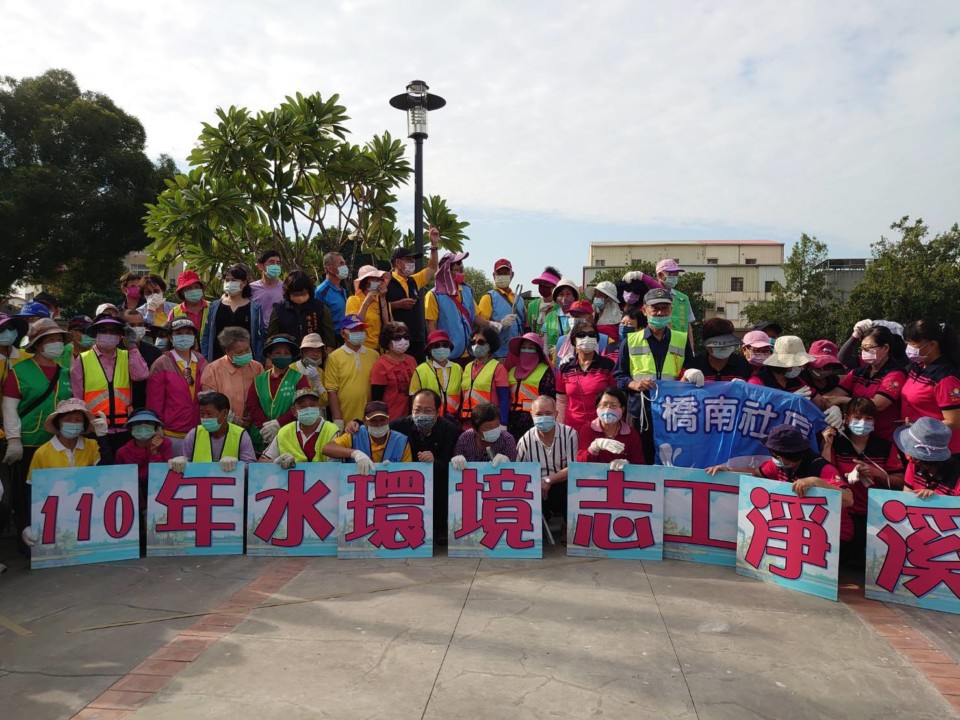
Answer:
(581, 306)
(502, 263)
(824, 353)
(186, 279)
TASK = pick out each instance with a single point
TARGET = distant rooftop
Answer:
(694, 242)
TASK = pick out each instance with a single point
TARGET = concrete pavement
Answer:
(443, 638)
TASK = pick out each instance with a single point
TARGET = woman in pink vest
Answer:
(174, 382)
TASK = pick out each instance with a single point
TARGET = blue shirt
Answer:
(335, 298)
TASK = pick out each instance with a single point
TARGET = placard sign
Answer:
(700, 516)
(293, 512)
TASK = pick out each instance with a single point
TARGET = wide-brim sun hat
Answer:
(44, 327)
(68, 406)
(513, 347)
(788, 352)
(786, 439)
(926, 440)
(606, 288)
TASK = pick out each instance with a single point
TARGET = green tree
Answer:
(910, 277)
(288, 179)
(477, 280)
(804, 304)
(74, 178)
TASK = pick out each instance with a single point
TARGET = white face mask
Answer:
(721, 353)
(378, 432)
(373, 286)
(343, 272)
(409, 268)
(792, 373)
(671, 281)
(400, 346)
(502, 281)
(587, 344)
(231, 287)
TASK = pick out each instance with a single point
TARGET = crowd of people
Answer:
(280, 370)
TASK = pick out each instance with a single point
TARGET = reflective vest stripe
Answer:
(450, 395)
(203, 444)
(111, 397)
(524, 392)
(644, 366)
(473, 392)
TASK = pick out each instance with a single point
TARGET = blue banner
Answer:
(725, 422)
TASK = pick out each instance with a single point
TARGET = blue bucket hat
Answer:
(926, 440)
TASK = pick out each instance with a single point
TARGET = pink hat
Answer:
(513, 349)
(668, 265)
(824, 353)
(756, 338)
(546, 278)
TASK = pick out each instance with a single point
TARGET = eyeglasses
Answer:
(869, 348)
(480, 342)
(401, 337)
(444, 345)
(608, 406)
(594, 335)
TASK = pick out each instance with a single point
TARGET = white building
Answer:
(737, 273)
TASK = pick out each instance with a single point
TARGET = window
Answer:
(721, 310)
(736, 284)
(713, 261)
(601, 263)
(750, 261)
(768, 286)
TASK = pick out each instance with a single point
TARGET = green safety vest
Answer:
(289, 442)
(203, 444)
(642, 363)
(275, 406)
(681, 311)
(33, 383)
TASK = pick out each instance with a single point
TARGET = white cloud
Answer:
(833, 118)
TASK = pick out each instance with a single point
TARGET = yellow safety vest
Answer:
(110, 398)
(449, 395)
(473, 392)
(642, 364)
(203, 444)
(289, 442)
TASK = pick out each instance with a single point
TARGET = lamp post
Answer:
(417, 102)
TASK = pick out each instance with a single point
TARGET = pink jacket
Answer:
(168, 394)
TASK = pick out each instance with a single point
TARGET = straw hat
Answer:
(68, 406)
(788, 352)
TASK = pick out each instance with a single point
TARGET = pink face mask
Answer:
(133, 292)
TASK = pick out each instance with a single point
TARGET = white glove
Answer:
(861, 328)
(608, 444)
(154, 301)
(805, 391)
(269, 430)
(286, 461)
(177, 464)
(499, 458)
(339, 424)
(834, 417)
(365, 465)
(14, 451)
(318, 386)
(310, 371)
(693, 376)
(459, 462)
(737, 380)
(495, 326)
(633, 275)
(618, 465)
(100, 425)
(28, 536)
(508, 321)
(228, 464)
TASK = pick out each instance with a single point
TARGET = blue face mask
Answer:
(281, 361)
(274, 271)
(7, 337)
(211, 425)
(85, 341)
(861, 427)
(183, 342)
(143, 431)
(308, 415)
(544, 423)
(625, 330)
(71, 430)
(440, 354)
(492, 435)
(357, 338)
(658, 322)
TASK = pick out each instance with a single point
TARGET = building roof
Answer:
(692, 242)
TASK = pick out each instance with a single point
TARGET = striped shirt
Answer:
(552, 458)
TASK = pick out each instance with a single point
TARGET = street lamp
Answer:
(417, 102)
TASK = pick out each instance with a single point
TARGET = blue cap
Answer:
(35, 309)
(144, 416)
(351, 321)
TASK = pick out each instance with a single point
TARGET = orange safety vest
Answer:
(479, 390)
(112, 398)
(524, 392)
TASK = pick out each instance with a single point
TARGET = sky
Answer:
(569, 122)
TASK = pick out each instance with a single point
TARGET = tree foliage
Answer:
(74, 179)
(287, 179)
(478, 281)
(804, 304)
(910, 277)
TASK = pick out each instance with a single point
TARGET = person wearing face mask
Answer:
(215, 439)
(631, 320)
(783, 369)
(606, 309)
(501, 309)
(485, 379)
(233, 374)
(77, 327)
(932, 467)
(865, 460)
(104, 375)
(174, 381)
(313, 355)
(932, 387)
(348, 371)
(553, 446)
(608, 438)
(235, 308)
(849, 353)
(656, 353)
(393, 370)
(822, 374)
(270, 398)
(720, 362)
(440, 374)
(31, 392)
(374, 442)
(450, 306)
(332, 292)
(369, 303)
(147, 445)
(880, 378)
(530, 376)
(303, 440)
(432, 439)
(159, 337)
(756, 347)
(130, 291)
(582, 378)
(403, 293)
(579, 313)
(192, 305)
(487, 440)
(668, 273)
(12, 331)
(557, 321)
(135, 325)
(268, 291)
(540, 307)
(156, 309)
(300, 314)
(66, 448)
